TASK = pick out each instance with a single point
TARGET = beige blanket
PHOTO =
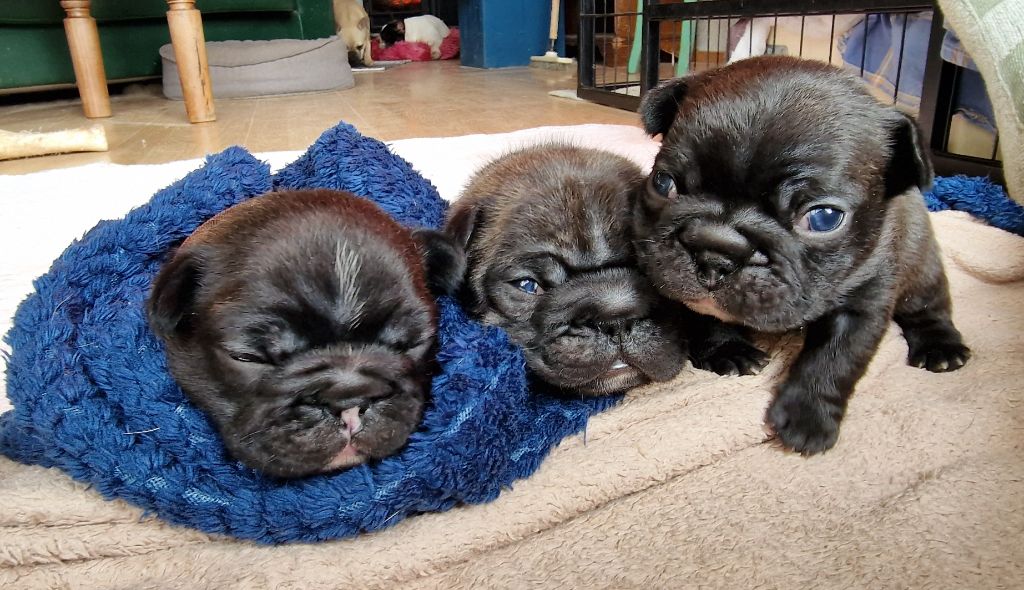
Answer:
(676, 487)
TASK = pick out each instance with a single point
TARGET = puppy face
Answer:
(770, 194)
(550, 261)
(301, 322)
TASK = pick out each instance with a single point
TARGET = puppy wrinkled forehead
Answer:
(770, 138)
(587, 226)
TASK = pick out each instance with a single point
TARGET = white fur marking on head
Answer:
(348, 264)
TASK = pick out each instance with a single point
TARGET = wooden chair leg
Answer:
(86, 57)
(186, 26)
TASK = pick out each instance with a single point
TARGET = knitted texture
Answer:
(980, 197)
(92, 394)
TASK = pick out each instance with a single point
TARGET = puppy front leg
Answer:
(924, 313)
(811, 402)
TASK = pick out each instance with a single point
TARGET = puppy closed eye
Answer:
(403, 345)
(663, 184)
(822, 220)
(527, 286)
(246, 357)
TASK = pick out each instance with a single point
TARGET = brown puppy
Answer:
(785, 196)
(547, 238)
(302, 324)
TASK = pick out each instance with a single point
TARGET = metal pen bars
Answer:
(617, 65)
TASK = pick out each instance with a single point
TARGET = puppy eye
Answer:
(246, 357)
(528, 286)
(664, 184)
(822, 219)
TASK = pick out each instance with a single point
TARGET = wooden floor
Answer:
(426, 99)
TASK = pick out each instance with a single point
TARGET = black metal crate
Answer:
(890, 43)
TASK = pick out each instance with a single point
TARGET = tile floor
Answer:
(425, 99)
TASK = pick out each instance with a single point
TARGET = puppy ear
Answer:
(909, 164)
(173, 293)
(444, 259)
(660, 105)
(461, 225)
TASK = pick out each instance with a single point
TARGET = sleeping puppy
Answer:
(303, 324)
(352, 25)
(416, 29)
(549, 259)
(783, 197)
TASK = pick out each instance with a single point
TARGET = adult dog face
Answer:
(785, 196)
(549, 260)
(301, 322)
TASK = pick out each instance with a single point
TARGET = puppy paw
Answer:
(939, 357)
(803, 424)
(735, 357)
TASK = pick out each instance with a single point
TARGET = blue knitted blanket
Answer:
(92, 395)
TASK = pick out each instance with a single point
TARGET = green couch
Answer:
(34, 50)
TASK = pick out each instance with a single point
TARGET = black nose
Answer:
(616, 328)
(717, 250)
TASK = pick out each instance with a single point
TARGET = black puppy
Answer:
(785, 196)
(302, 324)
(546, 233)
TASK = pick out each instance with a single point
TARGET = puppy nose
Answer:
(712, 267)
(353, 419)
(615, 329)
(717, 250)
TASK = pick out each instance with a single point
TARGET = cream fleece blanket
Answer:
(677, 487)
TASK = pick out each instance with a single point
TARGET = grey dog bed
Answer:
(260, 68)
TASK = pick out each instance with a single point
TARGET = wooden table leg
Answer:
(186, 26)
(84, 43)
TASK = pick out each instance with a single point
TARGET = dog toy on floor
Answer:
(26, 143)
(92, 395)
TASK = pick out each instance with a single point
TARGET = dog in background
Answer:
(353, 27)
(784, 196)
(416, 29)
(547, 238)
(303, 324)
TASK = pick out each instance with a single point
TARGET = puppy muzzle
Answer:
(741, 268)
(596, 334)
(329, 410)
(718, 251)
(608, 302)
